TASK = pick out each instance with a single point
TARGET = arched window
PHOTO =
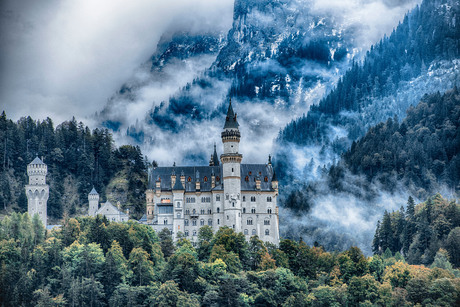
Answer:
(218, 221)
(253, 210)
(246, 232)
(250, 173)
(218, 210)
(253, 232)
(244, 210)
(269, 211)
(186, 223)
(266, 222)
(253, 198)
(217, 178)
(267, 232)
(266, 179)
(209, 222)
(205, 179)
(269, 199)
(189, 179)
(186, 233)
(194, 211)
(246, 178)
(178, 215)
(194, 233)
(201, 222)
(249, 222)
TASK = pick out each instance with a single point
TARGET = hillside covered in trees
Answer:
(420, 231)
(428, 35)
(77, 160)
(94, 262)
(422, 152)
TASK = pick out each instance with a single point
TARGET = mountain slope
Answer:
(422, 55)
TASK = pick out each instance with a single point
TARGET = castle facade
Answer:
(226, 193)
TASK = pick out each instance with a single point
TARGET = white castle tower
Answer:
(37, 190)
(231, 171)
(93, 200)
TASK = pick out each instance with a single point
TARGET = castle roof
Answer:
(249, 173)
(109, 208)
(230, 120)
(178, 185)
(93, 192)
(36, 161)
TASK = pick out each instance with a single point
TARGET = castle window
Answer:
(253, 210)
(217, 178)
(266, 179)
(244, 198)
(246, 178)
(186, 233)
(269, 211)
(217, 197)
(186, 223)
(244, 210)
(193, 211)
(249, 222)
(205, 179)
(218, 210)
(269, 199)
(202, 211)
(165, 222)
(266, 222)
(209, 211)
(187, 211)
(218, 221)
(178, 215)
(178, 204)
(201, 222)
(228, 217)
(194, 223)
(194, 233)
(189, 179)
(226, 196)
(246, 232)
(232, 167)
(267, 232)
(209, 222)
(250, 173)
(253, 232)
(253, 198)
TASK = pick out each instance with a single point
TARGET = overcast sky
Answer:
(60, 58)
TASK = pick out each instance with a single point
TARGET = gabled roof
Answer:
(93, 192)
(108, 205)
(36, 161)
(178, 185)
(230, 120)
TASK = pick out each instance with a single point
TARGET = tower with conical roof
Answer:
(37, 190)
(231, 171)
(93, 200)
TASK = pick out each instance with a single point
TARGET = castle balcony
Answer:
(194, 215)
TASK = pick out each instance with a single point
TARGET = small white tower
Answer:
(93, 199)
(231, 162)
(37, 190)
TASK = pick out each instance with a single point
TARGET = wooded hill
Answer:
(94, 262)
(78, 159)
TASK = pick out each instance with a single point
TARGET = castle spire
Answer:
(230, 121)
(215, 157)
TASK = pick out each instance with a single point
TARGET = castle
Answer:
(240, 196)
(183, 199)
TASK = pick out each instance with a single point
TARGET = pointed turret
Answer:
(230, 120)
(215, 157)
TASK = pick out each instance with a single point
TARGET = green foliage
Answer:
(425, 229)
(40, 270)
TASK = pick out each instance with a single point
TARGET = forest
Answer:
(94, 262)
(422, 152)
(419, 232)
(77, 160)
(427, 34)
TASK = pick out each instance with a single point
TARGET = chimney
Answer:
(257, 183)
